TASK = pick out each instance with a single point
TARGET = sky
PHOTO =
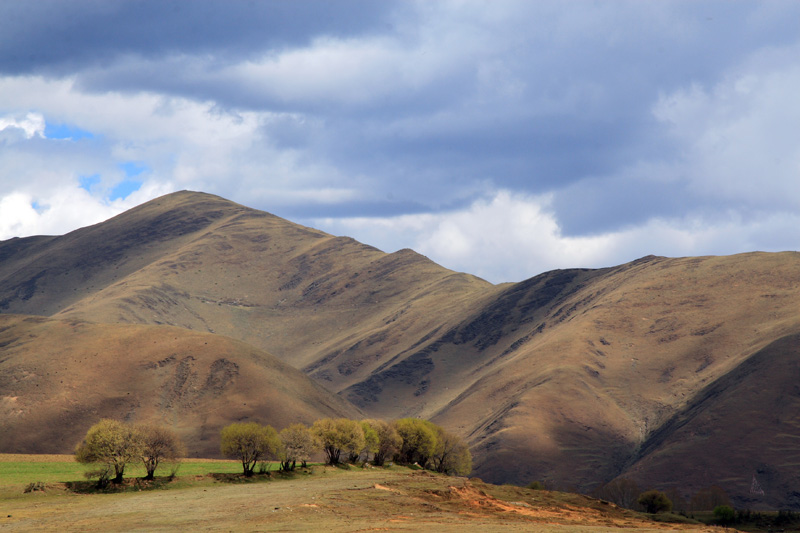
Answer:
(500, 138)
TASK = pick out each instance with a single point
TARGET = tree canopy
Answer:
(337, 435)
(249, 442)
(112, 445)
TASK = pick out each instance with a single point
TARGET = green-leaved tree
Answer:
(420, 439)
(249, 442)
(111, 445)
(337, 436)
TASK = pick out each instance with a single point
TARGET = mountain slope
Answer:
(744, 424)
(58, 377)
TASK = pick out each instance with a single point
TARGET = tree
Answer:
(112, 445)
(298, 445)
(724, 514)
(654, 501)
(709, 498)
(451, 455)
(249, 442)
(678, 501)
(419, 440)
(158, 444)
(622, 491)
(388, 440)
(371, 439)
(338, 435)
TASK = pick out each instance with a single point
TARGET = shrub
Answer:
(654, 501)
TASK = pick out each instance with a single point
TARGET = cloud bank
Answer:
(499, 138)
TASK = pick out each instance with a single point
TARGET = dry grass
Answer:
(326, 499)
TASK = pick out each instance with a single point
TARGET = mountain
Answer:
(573, 376)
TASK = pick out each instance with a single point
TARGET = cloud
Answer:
(739, 137)
(90, 33)
(572, 130)
(31, 125)
(511, 237)
(60, 210)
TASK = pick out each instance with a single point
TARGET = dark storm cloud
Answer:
(55, 36)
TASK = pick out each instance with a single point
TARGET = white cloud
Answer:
(32, 124)
(60, 210)
(511, 237)
(739, 138)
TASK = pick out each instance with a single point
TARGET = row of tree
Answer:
(406, 441)
(112, 445)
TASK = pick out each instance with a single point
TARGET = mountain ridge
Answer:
(562, 377)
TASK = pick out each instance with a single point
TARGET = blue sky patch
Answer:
(66, 131)
(132, 168)
(87, 183)
(124, 188)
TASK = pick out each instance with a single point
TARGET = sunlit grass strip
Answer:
(19, 469)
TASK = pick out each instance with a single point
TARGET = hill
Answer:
(58, 377)
(573, 376)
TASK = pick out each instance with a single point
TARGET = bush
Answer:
(654, 501)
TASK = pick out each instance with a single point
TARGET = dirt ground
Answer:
(325, 500)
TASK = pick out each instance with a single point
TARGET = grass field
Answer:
(316, 499)
(18, 469)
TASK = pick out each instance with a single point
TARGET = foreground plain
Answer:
(318, 499)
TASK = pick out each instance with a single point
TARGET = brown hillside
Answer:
(58, 377)
(577, 393)
(562, 377)
(744, 424)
